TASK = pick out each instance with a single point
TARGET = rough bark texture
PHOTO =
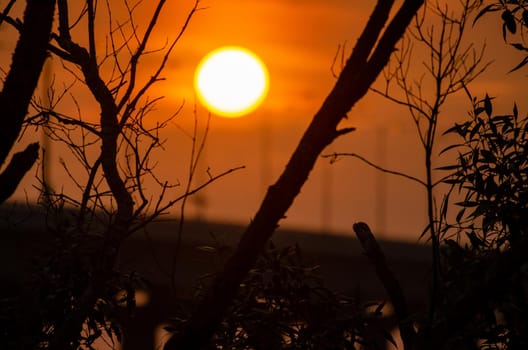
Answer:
(360, 71)
(20, 83)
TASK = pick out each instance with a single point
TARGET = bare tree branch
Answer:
(6, 10)
(451, 65)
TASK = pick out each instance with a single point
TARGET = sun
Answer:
(231, 81)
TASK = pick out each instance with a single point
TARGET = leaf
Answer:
(453, 247)
(388, 337)
(460, 215)
(475, 130)
(425, 231)
(488, 156)
(489, 8)
(450, 147)
(454, 128)
(520, 65)
(493, 129)
(207, 249)
(478, 110)
(509, 21)
(475, 241)
(109, 330)
(117, 331)
(487, 105)
(451, 181)
(379, 309)
(519, 46)
(467, 204)
(448, 167)
(444, 206)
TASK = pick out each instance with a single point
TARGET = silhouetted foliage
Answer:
(478, 293)
(492, 171)
(514, 16)
(68, 298)
(283, 304)
(485, 276)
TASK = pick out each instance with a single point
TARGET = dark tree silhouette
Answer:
(111, 204)
(19, 85)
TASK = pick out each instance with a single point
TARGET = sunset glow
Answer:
(231, 81)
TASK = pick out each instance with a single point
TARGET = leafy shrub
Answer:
(484, 295)
(283, 304)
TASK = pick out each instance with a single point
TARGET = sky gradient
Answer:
(298, 41)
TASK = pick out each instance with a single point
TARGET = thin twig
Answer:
(5, 13)
(335, 155)
(191, 192)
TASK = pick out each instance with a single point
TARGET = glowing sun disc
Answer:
(231, 81)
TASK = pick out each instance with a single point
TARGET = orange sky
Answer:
(297, 40)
